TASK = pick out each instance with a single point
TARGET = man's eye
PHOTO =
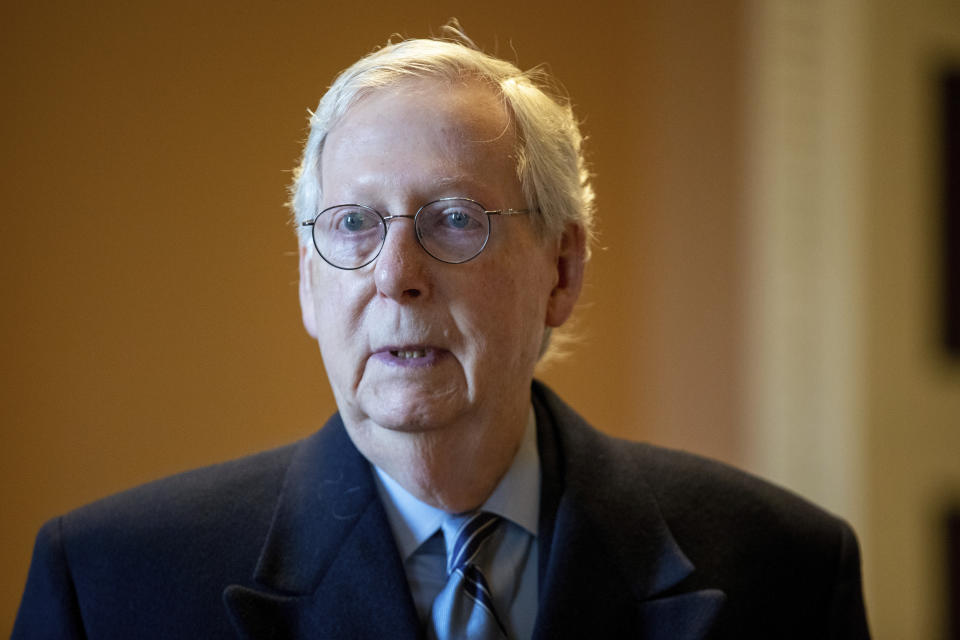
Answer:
(354, 221)
(457, 219)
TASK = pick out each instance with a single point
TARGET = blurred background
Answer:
(768, 287)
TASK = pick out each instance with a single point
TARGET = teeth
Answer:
(411, 353)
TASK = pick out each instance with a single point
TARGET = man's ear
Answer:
(571, 259)
(307, 308)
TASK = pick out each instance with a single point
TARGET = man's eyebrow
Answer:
(444, 181)
(460, 181)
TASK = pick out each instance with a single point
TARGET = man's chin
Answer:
(412, 406)
(418, 419)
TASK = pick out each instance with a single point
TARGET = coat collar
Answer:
(329, 567)
(601, 525)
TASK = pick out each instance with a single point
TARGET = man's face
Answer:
(410, 343)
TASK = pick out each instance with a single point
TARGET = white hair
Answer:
(550, 162)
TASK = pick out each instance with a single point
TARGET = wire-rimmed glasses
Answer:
(452, 230)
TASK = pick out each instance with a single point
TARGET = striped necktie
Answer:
(464, 608)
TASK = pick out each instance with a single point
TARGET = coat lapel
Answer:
(610, 566)
(329, 567)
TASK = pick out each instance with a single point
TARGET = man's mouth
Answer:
(408, 354)
(415, 355)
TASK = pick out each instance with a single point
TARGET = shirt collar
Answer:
(515, 498)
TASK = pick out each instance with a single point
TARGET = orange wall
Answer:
(150, 320)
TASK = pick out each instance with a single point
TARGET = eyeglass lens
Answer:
(451, 230)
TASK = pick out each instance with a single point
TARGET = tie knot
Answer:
(471, 535)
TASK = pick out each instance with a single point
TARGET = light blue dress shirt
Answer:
(424, 541)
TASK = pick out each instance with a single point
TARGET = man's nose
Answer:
(400, 270)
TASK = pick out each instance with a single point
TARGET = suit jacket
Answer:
(635, 542)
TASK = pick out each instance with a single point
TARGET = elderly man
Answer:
(444, 212)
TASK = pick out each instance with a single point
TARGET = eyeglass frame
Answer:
(384, 219)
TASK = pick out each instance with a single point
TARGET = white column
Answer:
(805, 198)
